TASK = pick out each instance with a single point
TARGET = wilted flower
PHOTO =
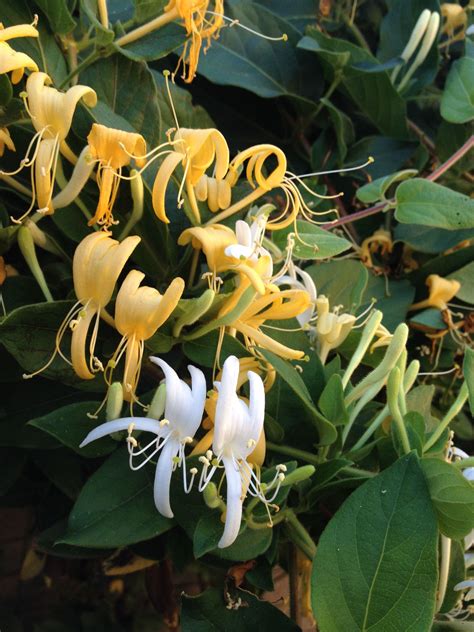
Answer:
(441, 291)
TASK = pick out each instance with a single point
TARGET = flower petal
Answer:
(140, 423)
(164, 470)
(233, 515)
(226, 403)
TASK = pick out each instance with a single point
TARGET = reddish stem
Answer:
(373, 210)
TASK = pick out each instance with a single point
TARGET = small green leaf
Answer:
(376, 563)
(376, 190)
(452, 496)
(70, 425)
(115, 507)
(58, 14)
(312, 242)
(147, 9)
(343, 282)
(327, 431)
(423, 202)
(331, 402)
(457, 102)
(465, 276)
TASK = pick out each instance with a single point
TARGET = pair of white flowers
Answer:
(237, 429)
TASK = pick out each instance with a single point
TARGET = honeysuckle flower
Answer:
(183, 411)
(97, 264)
(257, 456)
(264, 179)
(196, 150)
(332, 328)
(139, 313)
(5, 141)
(51, 113)
(113, 149)
(11, 60)
(237, 429)
(299, 279)
(380, 242)
(454, 22)
(441, 291)
(275, 304)
(234, 251)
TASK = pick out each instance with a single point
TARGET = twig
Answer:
(437, 173)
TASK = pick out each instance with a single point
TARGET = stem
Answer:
(28, 250)
(462, 464)
(15, 184)
(85, 63)
(437, 173)
(450, 415)
(443, 571)
(103, 13)
(354, 29)
(149, 27)
(298, 454)
(298, 535)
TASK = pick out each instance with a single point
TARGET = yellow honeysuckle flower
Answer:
(226, 250)
(11, 60)
(454, 22)
(276, 304)
(139, 313)
(51, 113)
(264, 179)
(201, 26)
(97, 264)
(331, 328)
(441, 291)
(196, 150)
(113, 149)
(5, 141)
(381, 242)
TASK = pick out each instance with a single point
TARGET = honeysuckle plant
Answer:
(238, 271)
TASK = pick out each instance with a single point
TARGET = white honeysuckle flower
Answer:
(237, 429)
(299, 279)
(183, 408)
(249, 242)
(467, 584)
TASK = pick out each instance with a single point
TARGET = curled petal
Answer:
(139, 423)
(163, 472)
(233, 516)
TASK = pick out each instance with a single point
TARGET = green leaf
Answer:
(376, 563)
(423, 202)
(155, 45)
(269, 69)
(62, 470)
(468, 372)
(457, 102)
(146, 9)
(70, 425)
(430, 240)
(331, 402)
(29, 334)
(210, 612)
(115, 507)
(6, 90)
(376, 190)
(452, 495)
(343, 127)
(343, 282)
(393, 298)
(203, 350)
(313, 242)
(465, 276)
(58, 14)
(326, 430)
(249, 544)
(366, 82)
(388, 153)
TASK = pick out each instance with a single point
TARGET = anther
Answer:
(164, 422)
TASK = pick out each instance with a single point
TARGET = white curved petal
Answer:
(163, 472)
(140, 423)
(177, 392)
(256, 404)
(243, 233)
(308, 282)
(226, 402)
(198, 398)
(233, 516)
(237, 251)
